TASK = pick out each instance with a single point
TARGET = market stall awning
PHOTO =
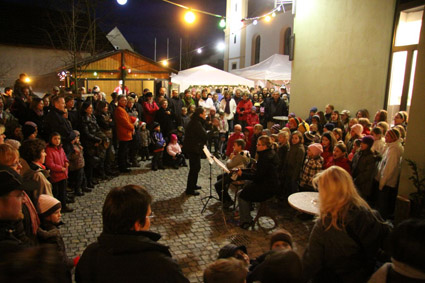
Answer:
(206, 75)
(275, 68)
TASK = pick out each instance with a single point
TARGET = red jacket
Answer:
(123, 123)
(246, 105)
(230, 142)
(341, 162)
(55, 161)
(327, 156)
(252, 119)
(149, 109)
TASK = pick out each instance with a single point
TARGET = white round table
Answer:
(306, 202)
(280, 118)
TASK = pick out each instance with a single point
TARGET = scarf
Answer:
(35, 221)
(227, 108)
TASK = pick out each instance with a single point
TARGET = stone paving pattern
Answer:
(194, 238)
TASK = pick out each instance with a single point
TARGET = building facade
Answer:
(250, 40)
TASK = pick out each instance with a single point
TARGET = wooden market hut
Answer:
(134, 70)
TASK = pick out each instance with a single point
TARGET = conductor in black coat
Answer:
(195, 139)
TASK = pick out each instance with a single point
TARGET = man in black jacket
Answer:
(195, 139)
(56, 122)
(275, 106)
(127, 251)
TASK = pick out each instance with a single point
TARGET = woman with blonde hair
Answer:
(347, 235)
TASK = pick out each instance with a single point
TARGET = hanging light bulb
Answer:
(189, 17)
(222, 23)
(273, 14)
(279, 8)
(255, 22)
(199, 50)
(268, 19)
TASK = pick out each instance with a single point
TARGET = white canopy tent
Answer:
(206, 75)
(275, 68)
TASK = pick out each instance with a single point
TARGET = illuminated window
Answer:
(403, 60)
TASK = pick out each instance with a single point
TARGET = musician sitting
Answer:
(239, 158)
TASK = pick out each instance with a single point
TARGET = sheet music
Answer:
(221, 165)
(208, 154)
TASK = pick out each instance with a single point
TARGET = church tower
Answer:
(235, 34)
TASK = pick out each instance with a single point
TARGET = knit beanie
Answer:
(329, 126)
(28, 130)
(293, 121)
(229, 251)
(309, 136)
(313, 109)
(316, 117)
(394, 134)
(254, 108)
(357, 128)
(316, 149)
(281, 235)
(47, 205)
(303, 127)
(368, 140)
(276, 128)
(173, 137)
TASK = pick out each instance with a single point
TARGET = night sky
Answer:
(140, 21)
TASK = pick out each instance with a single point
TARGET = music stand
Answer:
(212, 159)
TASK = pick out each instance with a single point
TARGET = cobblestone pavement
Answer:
(194, 238)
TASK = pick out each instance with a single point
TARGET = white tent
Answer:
(207, 75)
(275, 68)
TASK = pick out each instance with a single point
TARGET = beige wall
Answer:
(415, 140)
(341, 54)
(33, 61)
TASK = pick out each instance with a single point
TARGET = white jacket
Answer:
(379, 146)
(389, 167)
(232, 108)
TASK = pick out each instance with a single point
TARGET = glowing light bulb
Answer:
(199, 50)
(221, 46)
(222, 23)
(255, 22)
(189, 17)
(273, 14)
(164, 62)
(122, 2)
(268, 19)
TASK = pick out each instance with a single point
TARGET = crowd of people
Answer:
(58, 147)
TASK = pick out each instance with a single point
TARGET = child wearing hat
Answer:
(252, 118)
(49, 210)
(158, 147)
(388, 173)
(281, 240)
(364, 166)
(175, 151)
(313, 164)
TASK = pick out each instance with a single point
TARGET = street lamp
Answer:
(221, 46)
(222, 23)
(189, 17)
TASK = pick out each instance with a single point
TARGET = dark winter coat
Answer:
(335, 256)
(37, 119)
(363, 169)
(176, 104)
(89, 133)
(9, 243)
(135, 257)
(167, 121)
(273, 108)
(294, 161)
(265, 176)
(55, 122)
(50, 234)
(195, 137)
